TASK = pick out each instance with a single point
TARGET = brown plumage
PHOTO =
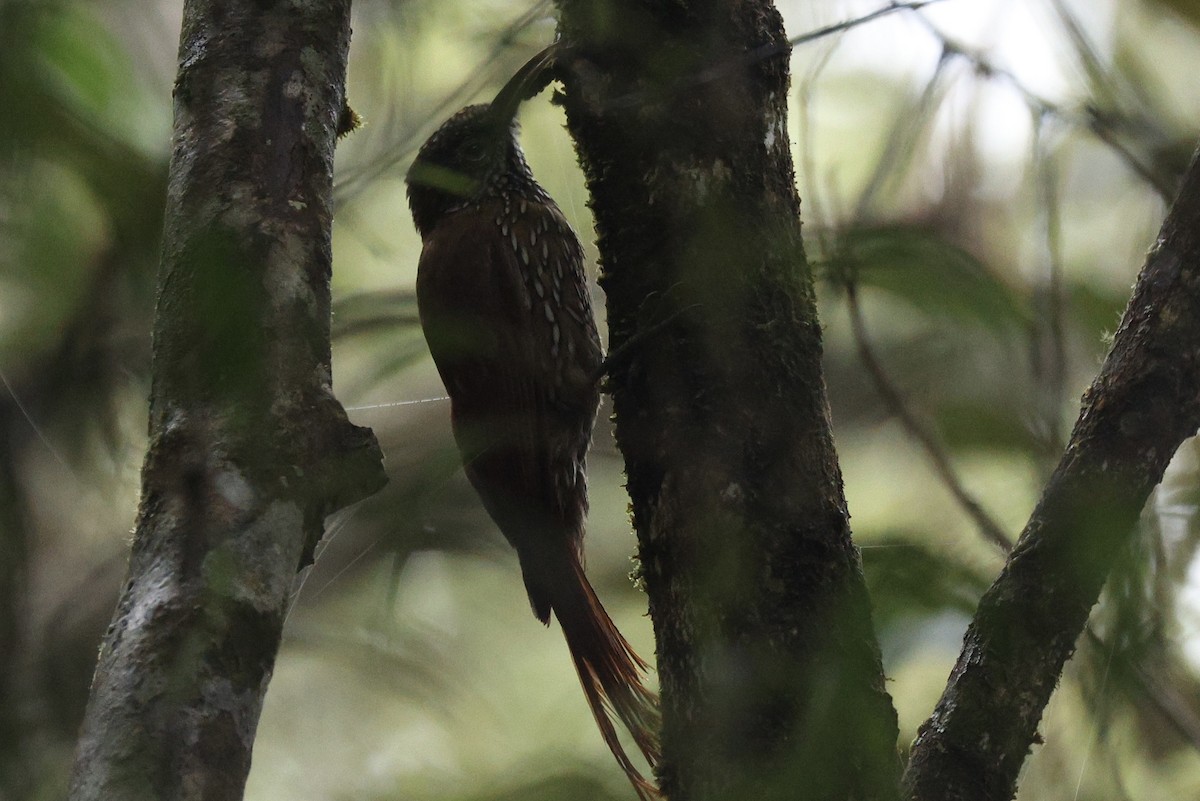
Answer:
(505, 309)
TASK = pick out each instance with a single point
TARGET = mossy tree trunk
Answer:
(249, 450)
(771, 679)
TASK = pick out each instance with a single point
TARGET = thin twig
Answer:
(1054, 379)
(905, 129)
(1102, 126)
(928, 441)
(882, 381)
(767, 51)
(901, 140)
(723, 68)
(1181, 717)
(33, 425)
(1091, 119)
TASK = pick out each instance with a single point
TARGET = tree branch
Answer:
(1143, 404)
(249, 450)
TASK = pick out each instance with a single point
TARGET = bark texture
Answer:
(770, 672)
(249, 449)
(1144, 403)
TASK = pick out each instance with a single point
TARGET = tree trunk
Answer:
(1143, 404)
(770, 672)
(249, 450)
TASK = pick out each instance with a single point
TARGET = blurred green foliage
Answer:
(411, 666)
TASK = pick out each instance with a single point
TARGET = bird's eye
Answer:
(474, 150)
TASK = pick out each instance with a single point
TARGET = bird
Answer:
(503, 303)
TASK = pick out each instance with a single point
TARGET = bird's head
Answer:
(475, 154)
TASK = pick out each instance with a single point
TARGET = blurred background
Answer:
(980, 182)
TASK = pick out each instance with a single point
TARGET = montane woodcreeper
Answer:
(505, 309)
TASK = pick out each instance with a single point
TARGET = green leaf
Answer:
(1187, 10)
(79, 62)
(370, 312)
(906, 579)
(1096, 309)
(936, 277)
(985, 425)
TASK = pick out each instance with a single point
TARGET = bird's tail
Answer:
(609, 670)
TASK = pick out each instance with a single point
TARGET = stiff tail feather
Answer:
(611, 674)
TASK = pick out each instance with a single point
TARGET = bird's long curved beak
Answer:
(532, 78)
